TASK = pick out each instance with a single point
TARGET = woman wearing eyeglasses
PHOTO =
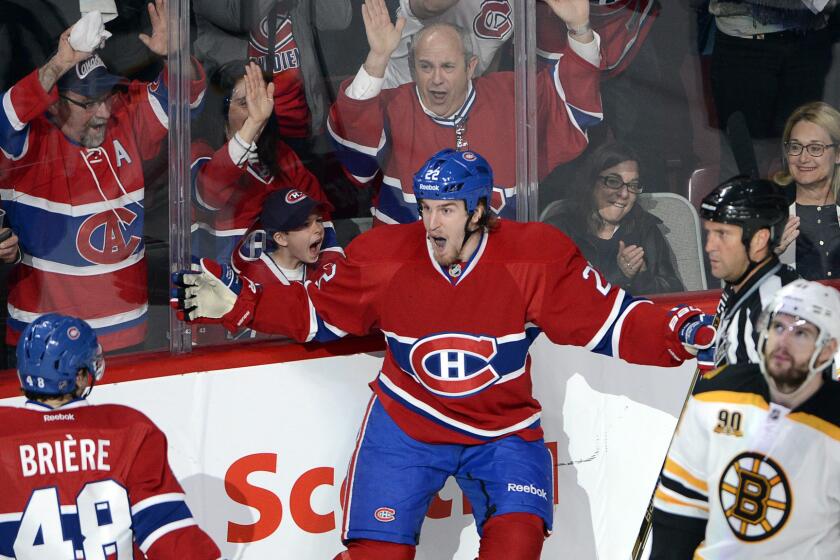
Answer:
(616, 235)
(811, 240)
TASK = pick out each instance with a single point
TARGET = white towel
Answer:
(88, 34)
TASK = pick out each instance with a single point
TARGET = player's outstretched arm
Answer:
(207, 293)
(214, 293)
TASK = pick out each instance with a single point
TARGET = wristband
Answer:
(579, 30)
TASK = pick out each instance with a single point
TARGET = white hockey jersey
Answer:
(751, 478)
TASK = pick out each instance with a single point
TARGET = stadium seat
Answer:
(682, 230)
(701, 183)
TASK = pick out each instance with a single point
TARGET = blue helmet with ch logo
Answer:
(52, 349)
(452, 175)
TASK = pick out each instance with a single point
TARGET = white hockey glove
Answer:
(206, 293)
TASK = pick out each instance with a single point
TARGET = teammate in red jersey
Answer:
(460, 297)
(81, 480)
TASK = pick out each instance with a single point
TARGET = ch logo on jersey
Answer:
(254, 245)
(385, 514)
(755, 496)
(101, 238)
(454, 365)
(260, 41)
(494, 20)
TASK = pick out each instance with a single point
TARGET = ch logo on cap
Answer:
(73, 333)
(469, 156)
(294, 196)
(87, 66)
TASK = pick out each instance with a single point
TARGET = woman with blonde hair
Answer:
(811, 157)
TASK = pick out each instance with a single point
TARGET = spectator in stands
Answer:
(623, 26)
(231, 31)
(615, 234)
(73, 187)
(491, 24)
(811, 143)
(289, 240)
(241, 162)
(769, 57)
(395, 130)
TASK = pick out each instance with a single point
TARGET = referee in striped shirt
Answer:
(743, 219)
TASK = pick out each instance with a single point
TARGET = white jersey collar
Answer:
(458, 115)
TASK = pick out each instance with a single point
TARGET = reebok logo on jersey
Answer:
(58, 417)
(529, 489)
(385, 514)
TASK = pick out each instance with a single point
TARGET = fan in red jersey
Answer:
(82, 480)
(460, 297)
(72, 149)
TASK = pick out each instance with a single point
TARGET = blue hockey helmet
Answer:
(451, 175)
(51, 351)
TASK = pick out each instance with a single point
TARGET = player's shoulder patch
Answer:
(742, 378)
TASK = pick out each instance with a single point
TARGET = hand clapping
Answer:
(631, 259)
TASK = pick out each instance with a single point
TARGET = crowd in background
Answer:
(337, 104)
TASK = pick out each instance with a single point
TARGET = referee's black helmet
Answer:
(753, 204)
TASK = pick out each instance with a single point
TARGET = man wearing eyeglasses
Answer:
(73, 185)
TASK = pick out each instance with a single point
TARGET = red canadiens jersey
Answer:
(623, 26)
(229, 190)
(394, 133)
(279, 54)
(79, 211)
(457, 367)
(91, 482)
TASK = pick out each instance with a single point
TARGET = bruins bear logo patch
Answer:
(755, 496)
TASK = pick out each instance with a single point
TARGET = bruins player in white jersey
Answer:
(754, 469)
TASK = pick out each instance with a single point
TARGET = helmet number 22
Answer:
(432, 174)
(104, 519)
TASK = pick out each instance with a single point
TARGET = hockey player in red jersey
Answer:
(82, 480)
(460, 297)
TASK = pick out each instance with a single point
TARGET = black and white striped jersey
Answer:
(738, 313)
